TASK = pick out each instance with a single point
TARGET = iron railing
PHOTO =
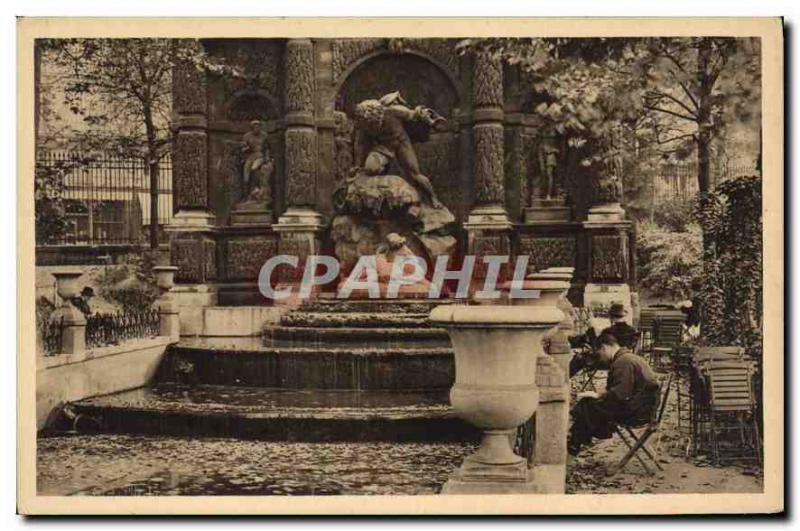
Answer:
(112, 328)
(52, 332)
(106, 198)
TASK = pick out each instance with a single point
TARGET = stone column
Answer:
(193, 228)
(190, 155)
(300, 226)
(488, 224)
(73, 323)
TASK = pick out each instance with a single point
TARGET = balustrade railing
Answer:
(112, 328)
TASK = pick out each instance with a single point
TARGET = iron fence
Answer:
(112, 328)
(679, 181)
(51, 332)
(106, 198)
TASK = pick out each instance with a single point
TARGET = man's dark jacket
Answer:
(631, 388)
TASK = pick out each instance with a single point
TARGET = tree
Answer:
(702, 82)
(121, 88)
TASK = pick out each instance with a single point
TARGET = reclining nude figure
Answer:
(385, 130)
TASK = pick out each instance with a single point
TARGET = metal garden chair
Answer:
(638, 442)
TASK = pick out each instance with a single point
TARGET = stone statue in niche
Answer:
(372, 203)
(548, 201)
(256, 176)
(385, 130)
(548, 168)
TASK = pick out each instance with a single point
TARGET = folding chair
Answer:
(639, 442)
(669, 334)
(732, 412)
(646, 325)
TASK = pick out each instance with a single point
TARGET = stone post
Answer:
(300, 226)
(552, 417)
(495, 388)
(558, 342)
(193, 227)
(168, 314)
(610, 241)
(488, 225)
(73, 332)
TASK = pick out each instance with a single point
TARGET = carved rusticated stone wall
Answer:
(258, 63)
(487, 82)
(345, 52)
(609, 258)
(301, 156)
(246, 256)
(489, 163)
(293, 245)
(188, 88)
(489, 244)
(300, 76)
(487, 92)
(301, 138)
(420, 82)
(190, 171)
(195, 256)
(547, 252)
(439, 160)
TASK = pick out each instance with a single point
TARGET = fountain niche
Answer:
(356, 147)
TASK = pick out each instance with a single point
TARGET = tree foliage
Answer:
(669, 262)
(732, 287)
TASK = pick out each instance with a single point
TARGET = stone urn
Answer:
(496, 351)
(165, 277)
(67, 285)
(70, 318)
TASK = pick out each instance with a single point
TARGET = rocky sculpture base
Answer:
(371, 207)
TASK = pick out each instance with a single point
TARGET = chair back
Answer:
(669, 330)
(647, 319)
(663, 395)
(719, 354)
(730, 385)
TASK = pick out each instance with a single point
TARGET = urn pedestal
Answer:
(73, 332)
(496, 351)
(168, 312)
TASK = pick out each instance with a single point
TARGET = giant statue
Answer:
(385, 129)
(385, 191)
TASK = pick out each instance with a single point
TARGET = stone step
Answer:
(276, 414)
(373, 306)
(355, 336)
(320, 367)
(355, 319)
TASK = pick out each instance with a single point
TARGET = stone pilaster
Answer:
(610, 242)
(190, 155)
(300, 226)
(488, 225)
(193, 227)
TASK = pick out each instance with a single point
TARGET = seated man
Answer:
(630, 396)
(627, 336)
